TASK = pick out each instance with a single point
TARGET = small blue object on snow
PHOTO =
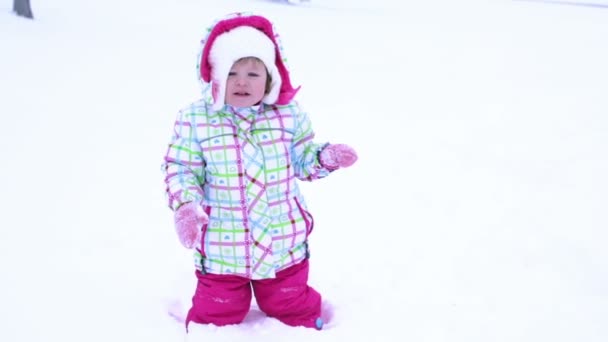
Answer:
(319, 323)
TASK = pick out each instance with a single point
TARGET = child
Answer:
(231, 169)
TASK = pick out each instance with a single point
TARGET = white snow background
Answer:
(477, 212)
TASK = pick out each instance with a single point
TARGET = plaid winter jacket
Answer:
(242, 166)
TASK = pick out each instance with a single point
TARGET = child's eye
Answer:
(232, 73)
(253, 74)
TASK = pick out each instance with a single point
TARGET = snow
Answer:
(476, 212)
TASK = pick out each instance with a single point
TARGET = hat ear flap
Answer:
(215, 89)
(218, 92)
(219, 75)
(275, 85)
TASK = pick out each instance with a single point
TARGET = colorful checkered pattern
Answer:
(242, 165)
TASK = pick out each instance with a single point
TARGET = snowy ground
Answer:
(477, 210)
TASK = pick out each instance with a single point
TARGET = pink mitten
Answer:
(335, 156)
(189, 219)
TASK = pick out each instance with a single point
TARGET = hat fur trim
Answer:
(286, 92)
(240, 42)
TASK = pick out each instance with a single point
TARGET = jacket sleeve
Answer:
(183, 165)
(304, 151)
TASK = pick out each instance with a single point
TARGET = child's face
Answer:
(246, 84)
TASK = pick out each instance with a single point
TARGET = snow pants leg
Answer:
(288, 297)
(225, 299)
(220, 300)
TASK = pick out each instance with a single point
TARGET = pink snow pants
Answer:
(225, 299)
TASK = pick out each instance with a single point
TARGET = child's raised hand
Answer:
(335, 156)
(189, 219)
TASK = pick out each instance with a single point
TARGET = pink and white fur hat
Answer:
(237, 36)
